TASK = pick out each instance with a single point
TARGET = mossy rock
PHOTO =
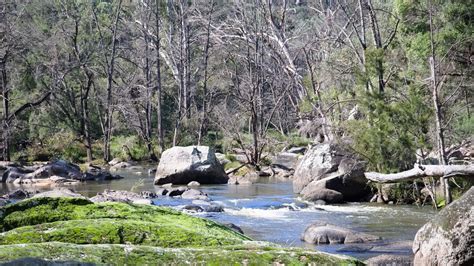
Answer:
(121, 231)
(73, 229)
(81, 221)
(110, 254)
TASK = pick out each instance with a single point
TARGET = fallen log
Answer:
(419, 171)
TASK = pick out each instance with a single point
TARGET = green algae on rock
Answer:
(172, 226)
(120, 231)
(113, 254)
(72, 229)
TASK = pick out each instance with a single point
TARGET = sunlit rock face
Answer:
(181, 165)
(449, 238)
(330, 173)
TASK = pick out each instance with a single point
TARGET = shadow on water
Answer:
(270, 211)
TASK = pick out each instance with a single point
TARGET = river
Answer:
(270, 211)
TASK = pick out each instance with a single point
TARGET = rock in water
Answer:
(181, 165)
(386, 260)
(328, 172)
(322, 233)
(59, 193)
(449, 238)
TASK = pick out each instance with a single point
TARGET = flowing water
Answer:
(270, 211)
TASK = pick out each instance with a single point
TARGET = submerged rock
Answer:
(323, 233)
(448, 239)
(328, 172)
(181, 165)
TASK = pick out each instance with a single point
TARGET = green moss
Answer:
(69, 229)
(121, 231)
(248, 254)
(47, 210)
(231, 165)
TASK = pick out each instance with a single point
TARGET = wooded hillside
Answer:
(85, 80)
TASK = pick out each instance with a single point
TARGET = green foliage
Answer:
(60, 145)
(464, 126)
(392, 130)
(119, 146)
(231, 165)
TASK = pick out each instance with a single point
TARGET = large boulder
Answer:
(323, 233)
(181, 165)
(449, 238)
(13, 173)
(327, 172)
(57, 168)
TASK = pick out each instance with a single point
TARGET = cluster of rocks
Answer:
(54, 173)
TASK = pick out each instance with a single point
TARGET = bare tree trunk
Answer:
(85, 116)
(204, 87)
(378, 45)
(419, 171)
(6, 112)
(159, 126)
(110, 73)
(437, 107)
(148, 98)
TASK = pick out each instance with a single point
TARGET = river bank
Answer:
(268, 210)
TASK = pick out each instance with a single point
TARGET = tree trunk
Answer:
(159, 125)
(204, 87)
(85, 116)
(5, 143)
(437, 107)
(110, 73)
(418, 171)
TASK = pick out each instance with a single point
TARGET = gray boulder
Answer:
(174, 192)
(286, 160)
(194, 194)
(59, 193)
(13, 173)
(323, 233)
(97, 173)
(388, 260)
(327, 166)
(181, 165)
(124, 196)
(57, 168)
(448, 239)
